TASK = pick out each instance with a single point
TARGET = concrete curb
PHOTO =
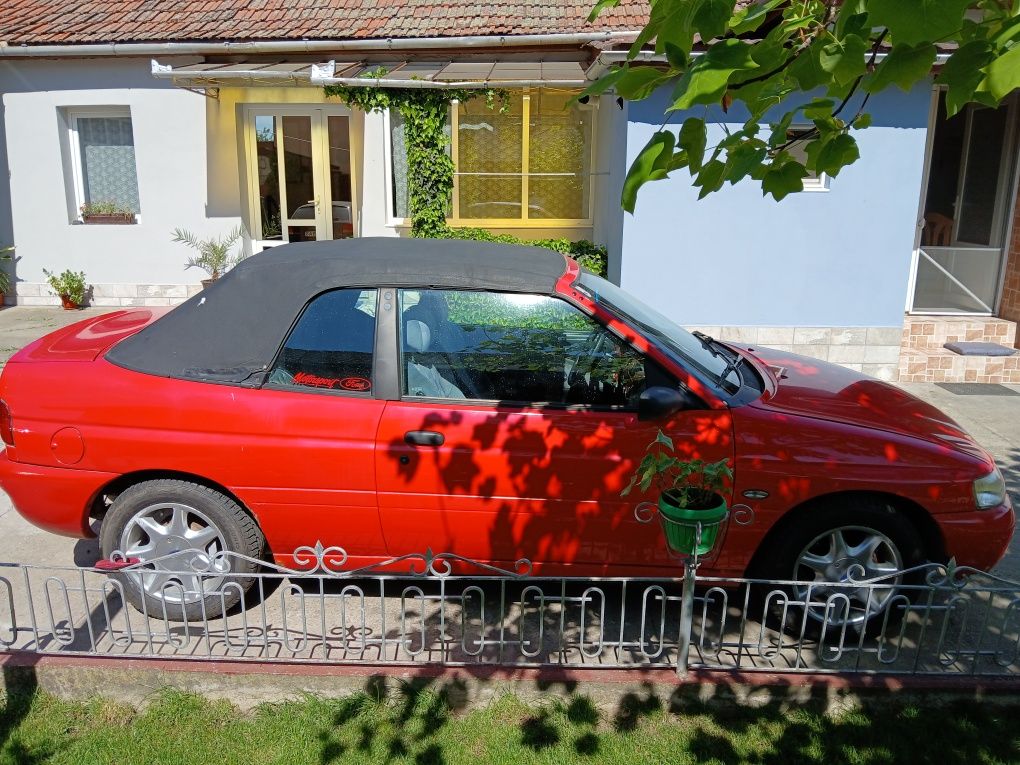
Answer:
(247, 684)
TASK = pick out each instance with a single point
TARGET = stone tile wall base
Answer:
(109, 295)
(924, 359)
(874, 351)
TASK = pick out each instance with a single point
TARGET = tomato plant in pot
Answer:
(691, 503)
(69, 286)
(215, 255)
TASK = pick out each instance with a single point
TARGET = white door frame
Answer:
(318, 114)
(1007, 182)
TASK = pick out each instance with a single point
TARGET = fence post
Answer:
(686, 617)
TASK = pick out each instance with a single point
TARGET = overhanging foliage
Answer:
(759, 54)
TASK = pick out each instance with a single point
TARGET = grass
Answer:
(424, 726)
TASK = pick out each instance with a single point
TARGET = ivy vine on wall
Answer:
(430, 168)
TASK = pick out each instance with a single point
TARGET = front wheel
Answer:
(182, 527)
(829, 548)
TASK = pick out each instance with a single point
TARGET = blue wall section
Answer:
(836, 258)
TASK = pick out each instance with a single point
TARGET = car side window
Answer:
(331, 346)
(496, 346)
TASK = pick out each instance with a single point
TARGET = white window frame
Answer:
(74, 150)
(819, 182)
(455, 221)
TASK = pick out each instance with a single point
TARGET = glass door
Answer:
(299, 164)
(961, 252)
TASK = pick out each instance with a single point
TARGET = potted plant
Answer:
(690, 495)
(69, 286)
(106, 212)
(214, 254)
(5, 278)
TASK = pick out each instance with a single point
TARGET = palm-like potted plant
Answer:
(5, 278)
(105, 211)
(691, 500)
(69, 286)
(215, 255)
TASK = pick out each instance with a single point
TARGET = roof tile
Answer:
(38, 22)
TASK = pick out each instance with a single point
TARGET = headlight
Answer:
(990, 490)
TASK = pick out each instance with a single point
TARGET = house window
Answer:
(103, 156)
(812, 181)
(528, 165)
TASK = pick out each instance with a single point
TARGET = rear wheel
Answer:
(184, 529)
(829, 548)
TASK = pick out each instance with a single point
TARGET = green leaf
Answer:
(662, 438)
(962, 73)
(1004, 74)
(676, 57)
(650, 165)
(862, 121)
(743, 158)
(705, 82)
(600, 6)
(693, 139)
(844, 59)
(639, 82)
(904, 66)
(917, 21)
(807, 70)
(782, 180)
(710, 18)
(819, 107)
(835, 154)
(710, 178)
(749, 18)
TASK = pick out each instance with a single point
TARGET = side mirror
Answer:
(659, 401)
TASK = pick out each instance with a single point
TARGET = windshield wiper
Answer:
(713, 346)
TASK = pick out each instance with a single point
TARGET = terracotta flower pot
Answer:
(68, 304)
(207, 283)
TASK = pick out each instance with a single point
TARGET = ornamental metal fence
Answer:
(445, 609)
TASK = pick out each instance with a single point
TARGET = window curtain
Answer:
(108, 161)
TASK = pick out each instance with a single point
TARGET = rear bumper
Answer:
(54, 499)
(978, 538)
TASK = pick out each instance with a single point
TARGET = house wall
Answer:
(823, 273)
(191, 170)
(169, 127)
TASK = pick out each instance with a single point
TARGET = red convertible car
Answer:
(388, 396)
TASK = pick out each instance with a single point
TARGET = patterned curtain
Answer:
(108, 161)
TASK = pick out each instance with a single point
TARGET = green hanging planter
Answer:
(680, 525)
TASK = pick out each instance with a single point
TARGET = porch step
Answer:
(932, 332)
(924, 359)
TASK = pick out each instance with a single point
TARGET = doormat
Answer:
(978, 389)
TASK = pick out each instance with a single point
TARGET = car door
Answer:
(315, 419)
(516, 431)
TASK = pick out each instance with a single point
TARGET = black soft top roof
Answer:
(231, 331)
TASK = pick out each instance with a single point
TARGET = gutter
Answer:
(322, 74)
(308, 46)
(607, 59)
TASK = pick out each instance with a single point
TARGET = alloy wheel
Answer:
(179, 539)
(842, 556)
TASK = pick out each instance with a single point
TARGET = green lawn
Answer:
(422, 728)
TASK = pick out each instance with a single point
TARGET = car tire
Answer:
(806, 542)
(152, 515)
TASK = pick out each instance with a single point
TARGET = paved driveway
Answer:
(990, 413)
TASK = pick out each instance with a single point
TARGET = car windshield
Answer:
(673, 339)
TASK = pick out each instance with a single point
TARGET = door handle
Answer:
(424, 438)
